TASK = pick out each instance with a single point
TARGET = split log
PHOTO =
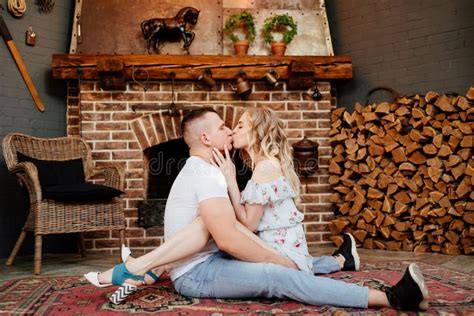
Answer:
(399, 155)
(369, 243)
(418, 158)
(339, 224)
(398, 235)
(430, 149)
(369, 117)
(360, 235)
(383, 108)
(450, 249)
(368, 216)
(444, 104)
(374, 193)
(393, 245)
(452, 236)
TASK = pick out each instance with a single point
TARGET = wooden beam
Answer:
(300, 75)
(111, 74)
(189, 67)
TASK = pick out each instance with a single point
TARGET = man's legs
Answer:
(220, 276)
(223, 277)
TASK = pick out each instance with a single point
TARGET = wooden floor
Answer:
(70, 264)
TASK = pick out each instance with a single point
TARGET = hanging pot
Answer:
(242, 86)
(305, 153)
(272, 77)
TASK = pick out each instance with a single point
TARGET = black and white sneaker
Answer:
(348, 250)
(410, 293)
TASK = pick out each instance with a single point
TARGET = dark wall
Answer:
(17, 109)
(410, 46)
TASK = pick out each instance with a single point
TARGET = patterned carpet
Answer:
(450, 292)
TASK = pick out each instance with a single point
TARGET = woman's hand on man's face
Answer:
(224, 162)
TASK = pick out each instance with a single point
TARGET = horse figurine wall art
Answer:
(159, 30)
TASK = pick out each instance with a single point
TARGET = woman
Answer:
(267, 204)
(267, 207)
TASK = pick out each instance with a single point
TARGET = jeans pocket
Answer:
(191, 287)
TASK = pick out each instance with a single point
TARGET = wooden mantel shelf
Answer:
(190, 67)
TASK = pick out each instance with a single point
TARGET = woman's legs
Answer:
(186, 242)
(159, 270)
(327, 264)
(255, 238)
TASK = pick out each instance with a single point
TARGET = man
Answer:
(243, 269)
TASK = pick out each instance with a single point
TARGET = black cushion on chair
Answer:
(82, 192)
(53, 173)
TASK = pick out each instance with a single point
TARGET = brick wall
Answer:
(118, 135)
(18, 112)
(411, 46)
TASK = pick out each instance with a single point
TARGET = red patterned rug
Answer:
(450, 292)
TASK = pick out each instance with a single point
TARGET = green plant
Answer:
(279, 23)
(244, 20)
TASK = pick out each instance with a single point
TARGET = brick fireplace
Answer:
(120, 125)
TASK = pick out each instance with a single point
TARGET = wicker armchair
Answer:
(48, 216)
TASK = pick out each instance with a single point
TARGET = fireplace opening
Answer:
(163, 163)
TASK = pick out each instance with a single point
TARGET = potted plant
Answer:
(282, 23)
(244, 21)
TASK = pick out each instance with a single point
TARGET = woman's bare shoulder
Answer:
(267, 170)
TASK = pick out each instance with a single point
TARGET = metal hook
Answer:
(79, 99)
(173, 111)
(79, 73)
(173, 75)
(142, 85)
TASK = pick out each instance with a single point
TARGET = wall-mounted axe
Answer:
(19, 62)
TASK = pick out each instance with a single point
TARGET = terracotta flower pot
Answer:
(241, 48)
(278, 49)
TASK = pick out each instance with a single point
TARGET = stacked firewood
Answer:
(402, 174)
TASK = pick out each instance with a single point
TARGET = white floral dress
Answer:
(280, 226)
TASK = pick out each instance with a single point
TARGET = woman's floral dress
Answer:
(280, 225)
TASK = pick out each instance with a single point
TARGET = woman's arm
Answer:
(265, 171)
(248, 214)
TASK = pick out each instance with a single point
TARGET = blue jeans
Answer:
(221, 276)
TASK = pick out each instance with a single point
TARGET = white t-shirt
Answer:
(196, 182)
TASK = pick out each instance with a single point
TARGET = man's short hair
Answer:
(195, 114)
(189, 118)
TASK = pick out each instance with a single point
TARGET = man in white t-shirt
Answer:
(234, 266)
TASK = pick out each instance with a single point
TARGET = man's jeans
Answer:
(221, 276)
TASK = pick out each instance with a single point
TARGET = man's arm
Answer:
(220, 220)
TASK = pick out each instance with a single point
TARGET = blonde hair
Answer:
(267, 139)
